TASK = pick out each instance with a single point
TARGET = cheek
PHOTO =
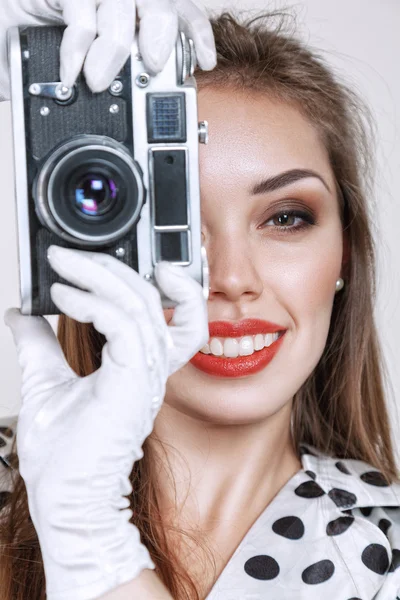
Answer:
(307, 291)
(305, 274)
(309, 282)
(304, 286)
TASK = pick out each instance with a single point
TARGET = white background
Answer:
(361, 39)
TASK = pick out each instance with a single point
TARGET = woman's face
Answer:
(274, 252)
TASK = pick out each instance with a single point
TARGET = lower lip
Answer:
(236, 367)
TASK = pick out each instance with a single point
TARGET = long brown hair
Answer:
(341, 407)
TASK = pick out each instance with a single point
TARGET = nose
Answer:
(234, 275)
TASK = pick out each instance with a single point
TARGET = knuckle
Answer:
(134, 305)
(86, 32)
(105, 259)
(154, 294)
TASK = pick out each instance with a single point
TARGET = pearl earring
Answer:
(339, 284)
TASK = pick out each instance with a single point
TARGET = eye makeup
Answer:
(305, 218)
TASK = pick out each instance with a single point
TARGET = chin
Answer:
(226, 402)
(248, 399)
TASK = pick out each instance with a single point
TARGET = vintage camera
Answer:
(114, 172)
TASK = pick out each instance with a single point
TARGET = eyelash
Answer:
(308, 220)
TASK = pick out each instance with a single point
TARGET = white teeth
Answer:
(259, 341)
(216, 347)
(234, 347)
(269, 338)
(246, 346)
(231, 348)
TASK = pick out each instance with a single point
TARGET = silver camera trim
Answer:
(44, 185)
(176, 76)
(21, 182)
(161, 228)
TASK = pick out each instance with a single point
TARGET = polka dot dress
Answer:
(331, 533)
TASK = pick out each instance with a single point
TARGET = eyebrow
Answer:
(283, 179)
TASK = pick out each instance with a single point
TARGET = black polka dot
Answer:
(311, 474)
(262, 567)
(354, 598)
(339, 525)
(309, 489)
(375, 478)
(395, 560)
(375, 558)
(384, 525)
(366, 510)
(318, 572)
(342, 468)
(3, 498)
(291, 527)
(342, 498)
(2, 442)
(348, 511)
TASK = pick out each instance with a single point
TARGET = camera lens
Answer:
(93, 191)
(95, 194)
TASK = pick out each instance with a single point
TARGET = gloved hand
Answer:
(114, 23)
(75, 481)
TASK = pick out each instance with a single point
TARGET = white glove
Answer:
(75, 481)
(114, 23)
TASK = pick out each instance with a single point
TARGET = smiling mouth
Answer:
(249, 363)
(241, 346)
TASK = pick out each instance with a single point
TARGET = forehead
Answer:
(253, 135)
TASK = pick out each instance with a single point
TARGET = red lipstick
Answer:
(240, 366)
(241, 328)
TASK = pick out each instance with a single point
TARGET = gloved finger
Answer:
(196, 25)
(116, 20)
(39, 353)
(123, 367)
(80, 18)
(190, 321)
(158, 32)
(125, 348)
(151, 296)
(76, 267)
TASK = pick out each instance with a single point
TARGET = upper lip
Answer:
(241, 328)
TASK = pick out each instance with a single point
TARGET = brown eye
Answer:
(290, 221)
(284, 219)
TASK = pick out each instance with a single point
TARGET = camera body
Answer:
(114, 172)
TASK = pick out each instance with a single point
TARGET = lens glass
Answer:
(95, 194)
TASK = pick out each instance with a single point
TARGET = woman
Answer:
(288, 486)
